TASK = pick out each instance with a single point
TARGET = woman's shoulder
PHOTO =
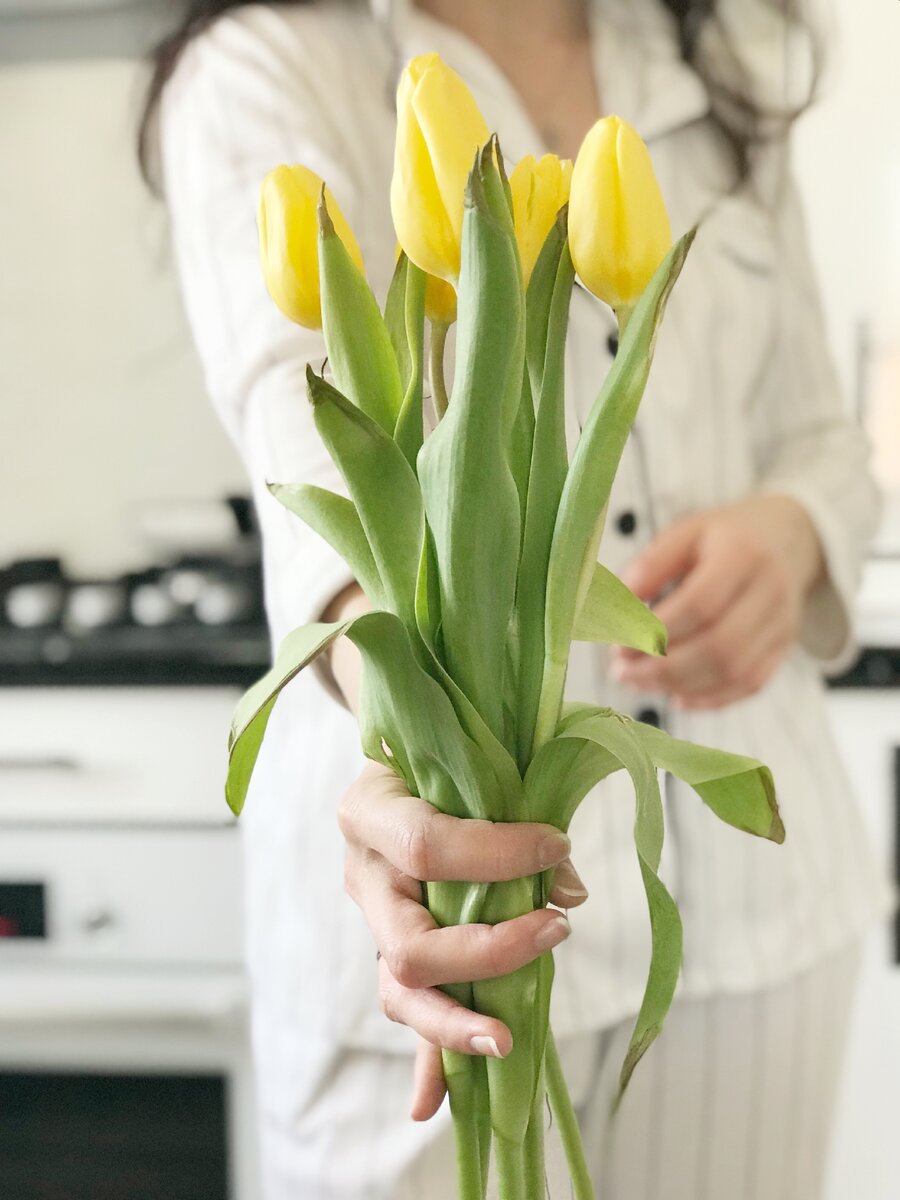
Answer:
(322, 48)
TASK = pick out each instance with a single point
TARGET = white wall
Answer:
(847, 154)
(101, 401)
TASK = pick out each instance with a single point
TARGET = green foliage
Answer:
(359, 345)
(477, 549)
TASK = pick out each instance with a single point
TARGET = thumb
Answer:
(667, 559)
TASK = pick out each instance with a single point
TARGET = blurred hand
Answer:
(394, 843)
(734, 582)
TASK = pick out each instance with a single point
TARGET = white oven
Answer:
(124, 1060)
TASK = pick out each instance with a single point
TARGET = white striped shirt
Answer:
(742, 397)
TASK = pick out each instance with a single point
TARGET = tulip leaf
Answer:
(469, 493)
(612, 613)
(335, 519)
(560, 776)
(616, 735)
(359, 347)
(404, 708)
(248, 725)
(589, 481)
(395, 319)
(384, 489)
(547, 314)
(739, 790)
(409, 431)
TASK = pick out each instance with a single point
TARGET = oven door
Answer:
(114, 1087)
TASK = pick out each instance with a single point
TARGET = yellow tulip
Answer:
(539, 190)
(440, 301)
(439, 130)
(619, 230)
(289, 241)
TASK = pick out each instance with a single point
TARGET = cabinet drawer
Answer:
(114, 754)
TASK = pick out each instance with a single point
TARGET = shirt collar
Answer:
(640, 72)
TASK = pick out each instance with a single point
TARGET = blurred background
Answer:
(131, 619)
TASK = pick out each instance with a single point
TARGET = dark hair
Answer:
(741, 116)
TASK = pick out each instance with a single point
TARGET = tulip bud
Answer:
(439, 131)
(289, 241)
(619, 230)
(539, 191)
(440, 301)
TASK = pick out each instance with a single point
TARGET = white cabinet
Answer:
(864, 1162)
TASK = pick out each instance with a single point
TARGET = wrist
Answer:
(792, 533)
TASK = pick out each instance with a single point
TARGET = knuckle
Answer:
(414, 848)
(403, 966)
(348, 809)
(387, 1000)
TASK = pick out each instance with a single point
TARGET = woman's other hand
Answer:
(733, 581)
(394, 843)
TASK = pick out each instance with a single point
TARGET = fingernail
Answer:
(481, 1044)
(553, 933)
(553, 850)
(571, 893)
(567, 882)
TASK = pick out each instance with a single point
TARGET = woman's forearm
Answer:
(344, 664)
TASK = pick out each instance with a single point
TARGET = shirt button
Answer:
(649, 716)
(626, 522)
(612, 344)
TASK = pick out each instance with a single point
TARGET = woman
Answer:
(743, 507)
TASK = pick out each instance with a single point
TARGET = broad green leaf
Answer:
(395, 319)
(248, 725)
(359, 347)
(409, 430)
(560, 776)
(589, 481)
(403, 707)
(335, 519)
(468, 489)
(739, 790)
(383, 487)
(612, 613)
(547, 314)
(617, 736)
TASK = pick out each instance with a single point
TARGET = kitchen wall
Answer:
(847, 156)
(103, 406)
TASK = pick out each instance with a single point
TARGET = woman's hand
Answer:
(734, 581)
(394, 843)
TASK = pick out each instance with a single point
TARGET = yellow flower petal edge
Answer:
(619, 229)
(289, 240)
(439, 131)
(539, 188)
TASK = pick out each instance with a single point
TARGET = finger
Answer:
(722, 697)
(668, 557)
(421, 955)
(378, 812)
(429, 1085)
(716, 658)
(442, 1020)
(706, 593)
(567, 891)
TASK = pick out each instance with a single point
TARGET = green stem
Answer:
(533, 1150)
(513, 1182)
(567, 1123)
(467, 1084)
(436, 367)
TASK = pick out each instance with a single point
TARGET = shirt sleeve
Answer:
(241, 102)
(808, 446)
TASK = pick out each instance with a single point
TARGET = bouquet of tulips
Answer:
(477, 546)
